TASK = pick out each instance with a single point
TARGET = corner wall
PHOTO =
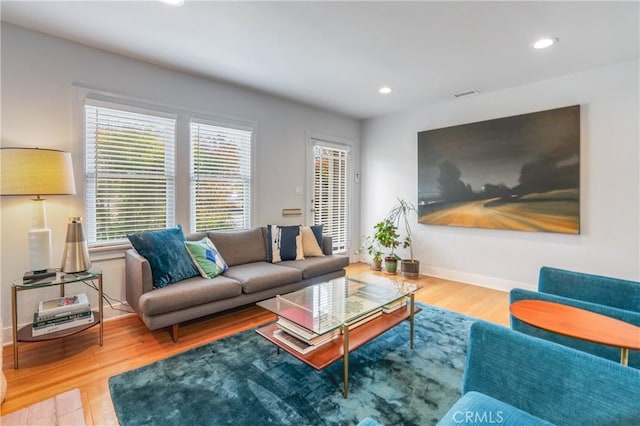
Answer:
(40, 107)
(610, 159)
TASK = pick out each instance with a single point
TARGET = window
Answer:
(220, 176)
(130, 172)
(331, 192)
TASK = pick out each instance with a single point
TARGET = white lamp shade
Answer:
(33, 171)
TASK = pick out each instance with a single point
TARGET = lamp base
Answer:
(38, 275)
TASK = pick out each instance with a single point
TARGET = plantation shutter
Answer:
(331, 193)
(130, 172)
(220, 177)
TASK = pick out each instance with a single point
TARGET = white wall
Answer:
(40, 108)
(610, 213)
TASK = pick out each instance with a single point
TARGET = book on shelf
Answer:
(365, 319)
(39, 322)
(297, 344)
(65, 305)
(395, 305)
(59, 326)
(305, 335)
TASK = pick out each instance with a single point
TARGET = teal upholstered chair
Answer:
(514, 379)
(613, 297)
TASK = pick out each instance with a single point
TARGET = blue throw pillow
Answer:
(166, 254)
(285, 243)
(317, 231)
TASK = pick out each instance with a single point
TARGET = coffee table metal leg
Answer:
(411, 318)
(624, 356)
(345, 339)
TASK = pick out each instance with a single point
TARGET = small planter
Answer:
(410, 268)
(376, 265)
(390, 265)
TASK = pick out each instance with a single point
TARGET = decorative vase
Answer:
(390, 265)
(410, 268)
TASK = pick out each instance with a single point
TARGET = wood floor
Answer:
(50, 368)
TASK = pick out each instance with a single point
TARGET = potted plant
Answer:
(387, 235)
(410, 268)
(372, 246)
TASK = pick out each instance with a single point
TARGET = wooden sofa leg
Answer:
(174, 332)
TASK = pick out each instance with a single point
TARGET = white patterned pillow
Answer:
(285, 243)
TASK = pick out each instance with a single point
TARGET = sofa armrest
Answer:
(138, 278)
(327, 245)
(550, 381)
(614, 292)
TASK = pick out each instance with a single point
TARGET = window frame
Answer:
(237, 125)
(90, 175)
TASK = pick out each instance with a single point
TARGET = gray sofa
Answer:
(250, 278)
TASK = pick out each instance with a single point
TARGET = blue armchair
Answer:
(613, 297)
(514, 379)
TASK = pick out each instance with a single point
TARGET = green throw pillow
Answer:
(206, 257)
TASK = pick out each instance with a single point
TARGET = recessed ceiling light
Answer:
(385, 90)
(543, 43)
(173, 2)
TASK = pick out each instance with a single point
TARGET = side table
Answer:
(24, 334)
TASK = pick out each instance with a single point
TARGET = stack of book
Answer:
(301, 339)
(61, 313)
(395, 305)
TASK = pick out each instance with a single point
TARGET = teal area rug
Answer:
(242, 380)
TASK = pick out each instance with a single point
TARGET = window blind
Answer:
(220, 177)
(130, 172)
(331, 193)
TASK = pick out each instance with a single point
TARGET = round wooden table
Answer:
(580, 324)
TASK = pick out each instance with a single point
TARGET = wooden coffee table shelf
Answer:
(333, 351)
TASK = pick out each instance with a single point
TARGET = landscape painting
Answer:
(517, 173)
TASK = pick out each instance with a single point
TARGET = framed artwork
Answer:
(518, 173)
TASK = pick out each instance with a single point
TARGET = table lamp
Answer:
(37, 172)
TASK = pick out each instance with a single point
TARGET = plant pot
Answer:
(376, 265)
(410, 268)
(390, 265)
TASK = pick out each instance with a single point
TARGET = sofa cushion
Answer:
(476, 408)
(310, 245)
(259, 276)
(314, 266)
(167, 255)
(206, 258)
(284, 243)
(188, 293)
(238, 247)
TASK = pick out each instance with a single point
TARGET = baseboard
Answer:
(474, 279)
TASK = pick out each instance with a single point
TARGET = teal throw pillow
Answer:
(317, 232)
(166, 254)
(206, 257)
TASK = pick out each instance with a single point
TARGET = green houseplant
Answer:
(387, 235)
(399, 215)
(372, 247)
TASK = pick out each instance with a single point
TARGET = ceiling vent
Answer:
(465, 94)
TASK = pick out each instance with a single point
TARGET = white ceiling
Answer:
(336, 55)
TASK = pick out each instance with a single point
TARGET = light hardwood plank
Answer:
(53, 367)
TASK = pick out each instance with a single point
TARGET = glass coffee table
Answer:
(323, 323)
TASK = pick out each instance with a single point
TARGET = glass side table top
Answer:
(324, 307)
(60, 278)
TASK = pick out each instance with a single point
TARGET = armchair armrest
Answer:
(138, 277)
(614, 292)
(550, 381)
